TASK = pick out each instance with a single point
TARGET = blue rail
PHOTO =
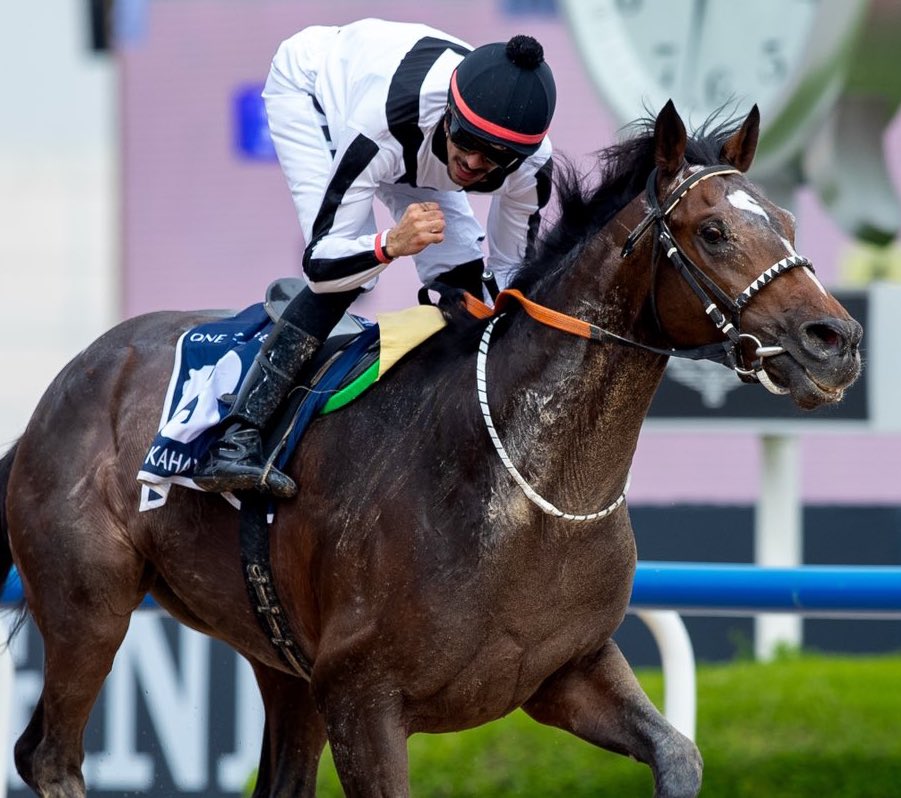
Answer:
(12, 590)
(728, 588)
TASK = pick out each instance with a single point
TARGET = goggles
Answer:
(498, 156)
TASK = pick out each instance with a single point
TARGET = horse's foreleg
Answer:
(601, 701)
(294, 736)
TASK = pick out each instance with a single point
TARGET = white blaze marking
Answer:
(813, 277)
(788, 246)
(807, 271)
(745, 202)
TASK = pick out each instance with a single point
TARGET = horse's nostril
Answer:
(825, 336)
(831, 336)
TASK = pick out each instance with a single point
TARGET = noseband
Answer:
(730, 352)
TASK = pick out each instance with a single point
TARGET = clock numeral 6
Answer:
(665, 57)
(629, 6)
(719, 86)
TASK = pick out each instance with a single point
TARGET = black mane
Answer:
(583, 210)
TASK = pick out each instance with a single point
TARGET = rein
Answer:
(532, 495)
(578, 327)
(729, 352)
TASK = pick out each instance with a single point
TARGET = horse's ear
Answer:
(739, 148)
(669, 142)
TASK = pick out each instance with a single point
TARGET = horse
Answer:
(426, 570)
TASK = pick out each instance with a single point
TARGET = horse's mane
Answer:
(585, 207)
(585, 203)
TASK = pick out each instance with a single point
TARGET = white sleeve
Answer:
(514, 218)
(333, 184)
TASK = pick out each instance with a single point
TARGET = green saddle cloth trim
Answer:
(352, 390)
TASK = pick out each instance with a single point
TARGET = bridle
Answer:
(730, 352)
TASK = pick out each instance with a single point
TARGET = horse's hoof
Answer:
(681, 776)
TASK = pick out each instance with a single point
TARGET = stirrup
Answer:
(270, 481)
(235, 463)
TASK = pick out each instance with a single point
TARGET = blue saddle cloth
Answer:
(211, 361)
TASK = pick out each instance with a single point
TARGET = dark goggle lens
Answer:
(499, 156)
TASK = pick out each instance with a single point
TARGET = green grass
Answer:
(805, 726)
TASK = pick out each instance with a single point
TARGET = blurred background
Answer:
(136, 175)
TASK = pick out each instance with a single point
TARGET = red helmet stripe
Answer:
(487, 126)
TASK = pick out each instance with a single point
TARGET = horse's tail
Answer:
(6, 555)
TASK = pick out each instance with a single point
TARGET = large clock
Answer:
(788, 56)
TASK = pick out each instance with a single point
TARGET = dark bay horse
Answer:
(424, 567)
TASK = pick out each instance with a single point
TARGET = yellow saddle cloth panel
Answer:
(402, 330)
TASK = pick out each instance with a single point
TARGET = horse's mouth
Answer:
(810, 389)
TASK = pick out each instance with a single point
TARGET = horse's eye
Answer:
(712, 233)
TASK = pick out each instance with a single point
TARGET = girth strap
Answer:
(257, 570)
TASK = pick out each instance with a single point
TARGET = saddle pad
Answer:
(404, 330)
(210, 362)
(399, 332)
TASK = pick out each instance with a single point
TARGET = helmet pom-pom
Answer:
(525, 52)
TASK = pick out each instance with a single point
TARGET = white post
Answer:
(778, 536)
(677, 658)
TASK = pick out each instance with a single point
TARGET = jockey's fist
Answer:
(422, 224)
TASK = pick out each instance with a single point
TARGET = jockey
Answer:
(416, 118)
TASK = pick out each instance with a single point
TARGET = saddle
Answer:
(345, 366)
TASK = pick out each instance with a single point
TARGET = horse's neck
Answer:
(572, 409)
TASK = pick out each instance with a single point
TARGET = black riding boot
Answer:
(235, 462)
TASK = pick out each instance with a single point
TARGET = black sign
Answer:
(701, 390)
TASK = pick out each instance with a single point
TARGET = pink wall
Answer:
(204, 228)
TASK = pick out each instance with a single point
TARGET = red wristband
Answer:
(381, 245)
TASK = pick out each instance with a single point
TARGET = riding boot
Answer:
(235, 462)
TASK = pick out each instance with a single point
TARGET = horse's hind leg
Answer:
(50, 752)
(600, 701)
(82, 607)
(294, 736)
